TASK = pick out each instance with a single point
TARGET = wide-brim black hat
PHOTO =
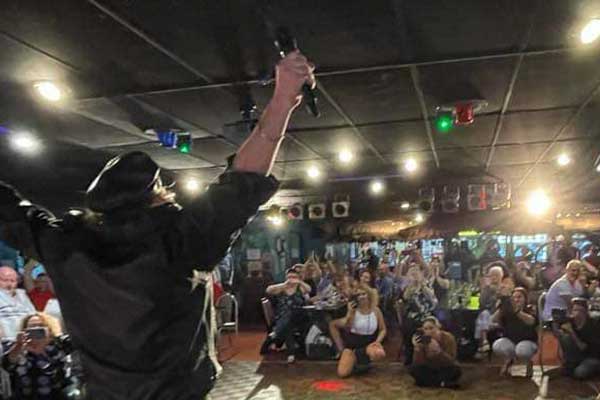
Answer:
(125, 181)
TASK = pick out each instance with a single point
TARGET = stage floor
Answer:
(248, 380)
(247, 376)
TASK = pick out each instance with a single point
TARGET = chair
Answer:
(268, 312)
(227, 315)
(546, 374)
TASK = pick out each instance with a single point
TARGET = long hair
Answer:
(371, 294)
(49, 322)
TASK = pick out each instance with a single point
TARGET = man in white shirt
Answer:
(14, 303)
(563, 290)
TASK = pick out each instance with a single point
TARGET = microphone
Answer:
(286, 43)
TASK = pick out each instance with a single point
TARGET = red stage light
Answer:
(465, 114)
(330, 386)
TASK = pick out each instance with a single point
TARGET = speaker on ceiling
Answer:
(316, 211)
(450, 199)
(476, 198)
(426, 199)
(296, 211)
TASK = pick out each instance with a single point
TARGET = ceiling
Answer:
(382, 66)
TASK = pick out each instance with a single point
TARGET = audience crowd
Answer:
(36, 356)
(440, 314)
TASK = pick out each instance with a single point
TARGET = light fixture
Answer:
(598, 168)
(410, 165)
(192, 185)
(563, 160)
(276, 220)
(25, 142)
(419, 218)
(345, 156)
(444, 122)
(538, 202)
(376, 187)
(405, 205)
(48, 90)
(313, 172)
(590, 32)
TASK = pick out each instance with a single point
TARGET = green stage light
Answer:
(184, 142)
(444, 122)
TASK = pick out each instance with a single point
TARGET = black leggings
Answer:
(427, 376)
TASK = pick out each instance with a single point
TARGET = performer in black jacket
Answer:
(128, 270)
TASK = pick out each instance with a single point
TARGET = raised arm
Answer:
(258, 153)
(27, 278)
(211, 223)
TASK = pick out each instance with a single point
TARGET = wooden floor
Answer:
(248, 376)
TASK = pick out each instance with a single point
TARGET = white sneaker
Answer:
(291, 359)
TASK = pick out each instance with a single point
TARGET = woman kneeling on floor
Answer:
(520, 337)
(434, 360)
(363, 329)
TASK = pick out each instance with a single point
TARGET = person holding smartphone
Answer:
(36, 360)
(519, 339)
(358, 336)
(289, 296)
(434, 362)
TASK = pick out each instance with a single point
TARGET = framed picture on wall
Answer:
(253, 254)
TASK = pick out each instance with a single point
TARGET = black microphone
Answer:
(286, 43)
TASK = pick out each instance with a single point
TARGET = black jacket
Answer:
(123, 282)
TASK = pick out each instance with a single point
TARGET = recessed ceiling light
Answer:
(419, 218)
(376, 187)
(405, 205)
(313, 172)
(563, 160)
(410, 165)
(25, 142)
(345, 156)
(538, 202)
(192, 185)
(48, 90)
(590, 32)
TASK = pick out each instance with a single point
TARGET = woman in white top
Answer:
(363, 328)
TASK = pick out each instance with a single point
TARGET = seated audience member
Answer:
(492, 288)
(563, 290)
(365, 277)
(580, 341)
(434, 363)
(36, 360)
(519, 334)
(338, 292)
(384, 283)
(523, 275)
(591, 260)
(14, 303)
(289, 318)
(312, 276)
(439, 282)
(419, 301)
(327, 273)
(38, 285)
(364, 330)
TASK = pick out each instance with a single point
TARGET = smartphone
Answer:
(36, 333)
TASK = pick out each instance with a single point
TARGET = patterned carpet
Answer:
(317, 380)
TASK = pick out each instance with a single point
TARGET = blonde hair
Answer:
(371, 293)
(48, 321)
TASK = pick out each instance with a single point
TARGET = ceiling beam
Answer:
(350, 71)
(37, 50)
(416, 80)
(350, 123)
(562, 130)
(152, 42)
(511, 84)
